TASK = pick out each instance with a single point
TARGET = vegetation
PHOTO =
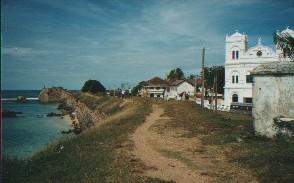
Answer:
(138, 87)
(270, 160)
(94, 156)
(285, 42)
(209, 74)
(93, 86)
(175, 74)
(193, 76)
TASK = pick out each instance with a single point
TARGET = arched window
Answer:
(235, 54)
(234, 98)
(235, 77)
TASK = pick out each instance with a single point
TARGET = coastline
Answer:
(68, 120)
(31, 131)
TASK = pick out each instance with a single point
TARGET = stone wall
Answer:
(273, 98)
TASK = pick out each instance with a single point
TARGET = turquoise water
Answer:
(31, 131)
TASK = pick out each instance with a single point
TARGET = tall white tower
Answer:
(236, 46)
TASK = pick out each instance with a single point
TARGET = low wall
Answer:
(273, 98)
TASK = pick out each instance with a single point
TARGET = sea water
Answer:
(31, 131)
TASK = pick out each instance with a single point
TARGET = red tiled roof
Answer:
(156, 81)
(175, 82)
(192, 82)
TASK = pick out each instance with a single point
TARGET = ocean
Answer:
(31, 131)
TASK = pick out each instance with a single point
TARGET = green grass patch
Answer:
(89, 157)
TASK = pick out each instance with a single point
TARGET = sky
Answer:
(66, 42)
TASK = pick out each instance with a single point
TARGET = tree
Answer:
(285, 42)
(193, 76)
(139, 87)
(209, 74)
(93, 86)
(176, 74)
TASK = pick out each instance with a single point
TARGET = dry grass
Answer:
(269, 160)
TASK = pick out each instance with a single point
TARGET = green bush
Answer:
(93, 86)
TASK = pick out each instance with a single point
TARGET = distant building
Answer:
(240, 61)
(155, 88)
(173, 89)
(180, 90)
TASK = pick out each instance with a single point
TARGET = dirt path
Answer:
(163, 167)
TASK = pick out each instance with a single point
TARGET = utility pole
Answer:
(215, 90)
(202, 87)
(195, 90)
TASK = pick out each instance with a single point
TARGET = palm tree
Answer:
(285, 42)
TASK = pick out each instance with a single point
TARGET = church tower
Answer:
(236, 46)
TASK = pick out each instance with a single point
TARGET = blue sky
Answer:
(66, 42)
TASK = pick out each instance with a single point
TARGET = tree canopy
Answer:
(209, 74)
(139, 87)
(176, 74)
(93, 86)
(285, 42)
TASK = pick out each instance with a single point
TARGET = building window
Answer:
(235, 98)
(235, 55)
(233, 79)
(237, 79)
(248, 100)
(249, 79)
(151, 95)
(158, 96)
(167, 89)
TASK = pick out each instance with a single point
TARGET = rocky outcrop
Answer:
(21, 99)
(53, 95)
(69, 103)
(10, 114)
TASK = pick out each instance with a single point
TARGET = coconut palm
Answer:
(285, 42)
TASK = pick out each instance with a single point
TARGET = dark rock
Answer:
(39, 116)
(51, 114)
(21, 99)
(67, 132)
(10, 114)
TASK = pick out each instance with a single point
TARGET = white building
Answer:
(155, 88)
(179, 89)
(167, 89)
(240, 61)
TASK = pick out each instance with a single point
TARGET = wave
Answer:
(14, 99)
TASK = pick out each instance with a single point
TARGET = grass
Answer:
(178, 155)
(270, 160)
(93, 156)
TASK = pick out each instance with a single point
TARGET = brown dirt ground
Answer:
(181, 159)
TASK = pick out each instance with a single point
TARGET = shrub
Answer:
(93, 86)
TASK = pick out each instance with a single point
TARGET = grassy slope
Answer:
(90, 157)
(269, 160)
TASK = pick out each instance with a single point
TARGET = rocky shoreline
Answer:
(69, 104)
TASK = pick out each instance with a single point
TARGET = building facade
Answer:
(179, 90)
(155, 88)
(239, 63)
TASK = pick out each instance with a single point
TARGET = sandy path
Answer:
(164, 167)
